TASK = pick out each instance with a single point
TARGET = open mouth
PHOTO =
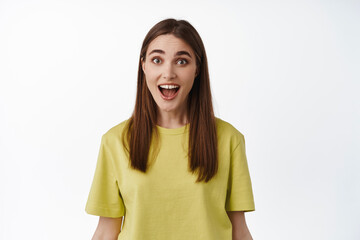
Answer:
(169, 91)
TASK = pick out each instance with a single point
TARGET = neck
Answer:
(172, 119)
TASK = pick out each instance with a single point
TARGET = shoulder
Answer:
(115, 132)
(227, 132)
(224, 127)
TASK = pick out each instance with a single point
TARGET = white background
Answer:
(284, 73)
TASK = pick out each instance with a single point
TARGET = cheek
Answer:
(149, 77)
(151, 85)
(189, 78)
(191, 83)
(151, 74)
(148, 82)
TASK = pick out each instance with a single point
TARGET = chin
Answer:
(168, 107)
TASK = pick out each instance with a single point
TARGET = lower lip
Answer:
(169, 98)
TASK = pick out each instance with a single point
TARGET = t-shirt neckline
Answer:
(171, 131)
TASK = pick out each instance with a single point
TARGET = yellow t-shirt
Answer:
(165, 203)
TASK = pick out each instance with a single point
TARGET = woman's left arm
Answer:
(240, 230)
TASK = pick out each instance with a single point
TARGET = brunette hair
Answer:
(141, 125)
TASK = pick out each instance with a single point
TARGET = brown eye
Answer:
(156, 60)
(181, 62)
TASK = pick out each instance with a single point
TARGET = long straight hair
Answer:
(141, 129)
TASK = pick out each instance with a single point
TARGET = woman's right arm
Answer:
(108, 228)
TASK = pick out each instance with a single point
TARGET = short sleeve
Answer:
(239, 193)
(104, 198)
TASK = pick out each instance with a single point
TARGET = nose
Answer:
(168, 72)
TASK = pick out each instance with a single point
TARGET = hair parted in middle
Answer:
(141, 130)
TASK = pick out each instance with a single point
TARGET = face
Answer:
(170, 70)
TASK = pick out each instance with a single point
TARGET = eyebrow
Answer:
(179, 53)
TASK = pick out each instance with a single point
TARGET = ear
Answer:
(143, 64)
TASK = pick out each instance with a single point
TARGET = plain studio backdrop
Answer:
(284, 73)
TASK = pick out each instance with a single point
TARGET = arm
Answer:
(240, 230)
(108, 228)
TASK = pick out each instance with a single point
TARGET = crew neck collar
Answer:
(172, 131)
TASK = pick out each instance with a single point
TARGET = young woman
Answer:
(172, 171)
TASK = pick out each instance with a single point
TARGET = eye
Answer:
(181, 61)
(156, 60)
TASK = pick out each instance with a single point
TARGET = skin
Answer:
(240, 230)
(167, 66)
(170, 67)
(107, 229)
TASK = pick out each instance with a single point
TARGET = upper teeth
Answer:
(169, 86)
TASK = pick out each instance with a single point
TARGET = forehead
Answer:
(169, 44)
